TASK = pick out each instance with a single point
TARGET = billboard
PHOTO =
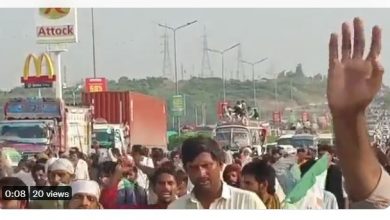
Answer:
(96, 84)
(44, 74)
(178, 105)
(56, 25)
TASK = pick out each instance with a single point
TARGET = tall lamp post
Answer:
(93, 43)
(174, 29)
(222, 53)
(253, 76)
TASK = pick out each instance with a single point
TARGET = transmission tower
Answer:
(167, 66)
(240, 65)
(205, 59)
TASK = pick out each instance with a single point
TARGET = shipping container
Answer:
(146, 115)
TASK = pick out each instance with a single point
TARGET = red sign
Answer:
(277, 117)
(305, 116)
(221, 109)
(96, 84)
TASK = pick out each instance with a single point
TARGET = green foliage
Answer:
(208, 91)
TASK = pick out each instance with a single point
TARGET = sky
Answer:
(129, 41)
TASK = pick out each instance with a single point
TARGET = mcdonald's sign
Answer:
(41, 79)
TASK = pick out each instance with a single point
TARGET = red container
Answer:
(146, 115)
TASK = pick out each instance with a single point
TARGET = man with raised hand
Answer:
(352, 84)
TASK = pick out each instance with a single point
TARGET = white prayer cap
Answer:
(49, 162)
(62, 164)
(89, 187)
(247, 149)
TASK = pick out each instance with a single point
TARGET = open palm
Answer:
(352, 80)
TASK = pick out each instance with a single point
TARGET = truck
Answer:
(109, 135)
(237, 135)
(144, 115)
(34, 125)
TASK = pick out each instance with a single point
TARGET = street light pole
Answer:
(93, 43)
(175, 61)
(174, 58)
(254, 85)
(222, 53)
(253, 77)
(223, 78)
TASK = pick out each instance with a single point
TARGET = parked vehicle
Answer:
(145, 115)
(32, 125)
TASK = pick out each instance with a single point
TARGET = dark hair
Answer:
(116, 152)
(11, 181)
(37, 168)
(306, 166)
(163, 170)
(327, 148)
(267, 158)
(22, 163)
(77, 152)
(194, 146)
(145, 151)
(137, 149)
(107, 167)
(262, 172)
(41, 161)
(232, 168)
(173, 154)
(157, 153)
(182, 176)
(74, 149)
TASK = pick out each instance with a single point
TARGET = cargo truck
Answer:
(33, 125)
(145, 116)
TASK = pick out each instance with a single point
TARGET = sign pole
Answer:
(57, 54)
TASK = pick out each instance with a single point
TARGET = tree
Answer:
(123, 80)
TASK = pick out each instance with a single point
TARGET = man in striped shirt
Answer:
(203, 161)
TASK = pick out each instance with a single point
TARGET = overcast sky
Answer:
(129, 42)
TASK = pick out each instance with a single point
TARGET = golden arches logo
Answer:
(54, 13)
(37, 62)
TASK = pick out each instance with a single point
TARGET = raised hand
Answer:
(352, 80)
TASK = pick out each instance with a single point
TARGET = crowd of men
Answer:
(201, 176)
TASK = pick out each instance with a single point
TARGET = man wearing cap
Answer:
(85, 195)
(60, 173)
(246, 156)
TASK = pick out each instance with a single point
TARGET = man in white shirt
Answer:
(80, 166)
(203, 162)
